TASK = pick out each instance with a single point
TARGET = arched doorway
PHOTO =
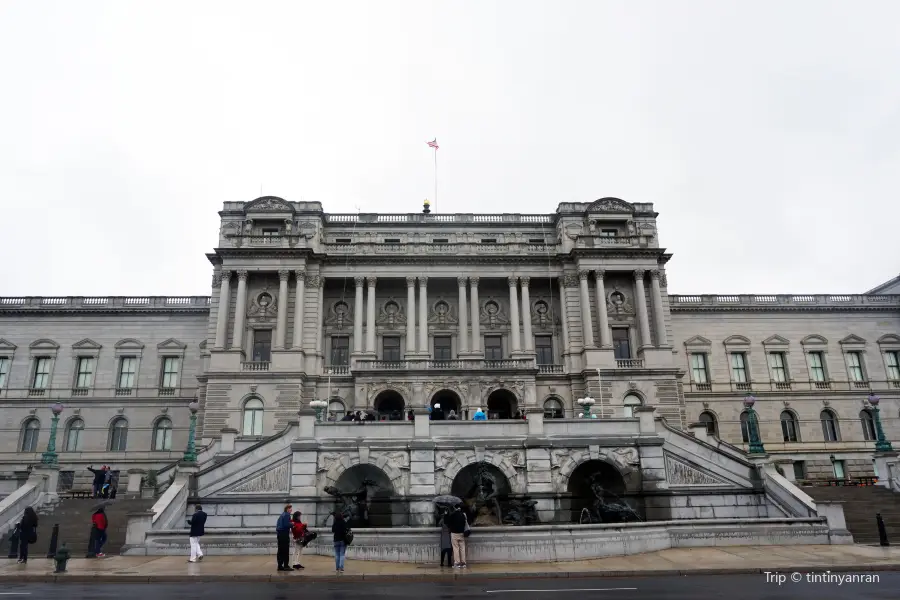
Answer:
(442, 403)
(501, 404)
(482, 486)
(370, 489)
(389, 406)
(597, 487)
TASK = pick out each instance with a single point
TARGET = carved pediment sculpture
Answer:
(541, 314)
(391, 315)
(263, 307)
(340, 315)
(441, 314)
(573, 230)
(618, 306)
(271, 204)
(611, 205)
(492, 315)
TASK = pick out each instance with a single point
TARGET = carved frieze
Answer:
(443, 459)
(570, 280)
(492, 314)
(610, 205)
(515, 457)
(618, 305)
(268, 204)
(442, 314)
(391, 315)
(626, 457)
(275, 480)
(340, 315)
(679, 472)
(263, 307)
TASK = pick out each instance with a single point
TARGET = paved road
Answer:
(700, 587)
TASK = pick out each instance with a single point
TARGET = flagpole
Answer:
(435, 179)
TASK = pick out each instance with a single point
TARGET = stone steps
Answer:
(861, 504)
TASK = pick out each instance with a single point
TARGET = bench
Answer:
(84, 493)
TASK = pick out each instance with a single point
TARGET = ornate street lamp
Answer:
(190, 453)
(320, 406)
(756, 445)
(585, 403)
(881, 443)
(50, 457)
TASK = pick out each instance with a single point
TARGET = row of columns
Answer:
(640, 302)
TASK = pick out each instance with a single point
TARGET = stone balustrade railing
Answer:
(464, 248)
(794, 386)
(630, 363)
(62, 393)
(255, 366)
(48, 303)
(551, 369)
(793, 301)
(461, 364)
(438, 218)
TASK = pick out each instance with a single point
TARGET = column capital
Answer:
(242, 275)
(512, 280)
(654, 274)
(410, 282)
(359, 280)
(473, 281)
(312, 280)
(525, 281)
(423, 281)
(461, 281)
(300, 274)
(371, 280)
(599, 274)
(284, 275)
(639, 274)
(583, 274)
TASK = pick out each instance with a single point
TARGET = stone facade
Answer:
(394, 313)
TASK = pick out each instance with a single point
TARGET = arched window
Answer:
(253, 417)
(709, 420)
(868, 424)
(553, 408)
(162, 434)
(73, 435)
(790, 430)
(30, 431)
(336, 410)
(745, 427)
(118, 435)
(830, 431)
(631, 402)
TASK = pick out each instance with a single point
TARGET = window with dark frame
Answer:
(816, 363)
(610, 233)
(440, 241)
(777, 366)
(85, 375)
(262, 345)
(892, 358)
(169, 375)
(271, 231)
(621, 343)
(391, 240)
(543, 347)
(854, 366)
(489, 240)
(442, 348)
(340, 351)
(493, 347)
(738, 367)
(390, 348)
(343, 240)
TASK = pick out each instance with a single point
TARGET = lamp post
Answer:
(756, 445)
(585, 403)
(881, 443)
(319, 405)
(50, 457)
(190, 453)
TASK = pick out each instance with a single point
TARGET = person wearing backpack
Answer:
(27, 533)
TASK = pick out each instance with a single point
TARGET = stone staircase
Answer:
(861, 504)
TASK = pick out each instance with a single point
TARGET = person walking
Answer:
(27, 533)
(283, 533)
(298, 530)
(99, 477)
(197, 523)
(458, 524)
(446, 543)
(339, 529)
(107, 482)
(100, 523)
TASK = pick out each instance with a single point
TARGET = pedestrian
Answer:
(27, 533)
(99, 478)
(299, 531)
(101, 523)
(479, 415)
(283, 533)
(339, 529)
(197, 523)
(452, 416)
(107, 482)
(446, 544)
(458, 524)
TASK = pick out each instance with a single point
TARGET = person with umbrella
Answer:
(445, 504)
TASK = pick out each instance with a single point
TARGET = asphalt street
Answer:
(698, 587)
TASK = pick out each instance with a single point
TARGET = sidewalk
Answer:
(677, 561)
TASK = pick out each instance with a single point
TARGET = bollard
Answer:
(61, 558)
(882, 532)
(92, 543)
(14, 543)
(54, 540)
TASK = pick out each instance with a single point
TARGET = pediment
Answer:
(736, 340)
(7, 345)
(852, 339)
(86, 344)
(775, 340)
(814, 340)
(273, 480)
(697, 340)
(171, 344)
(268, 204)
(44, 344)
(610, 205)
(889, 338)
(129, 344)
(682, 473)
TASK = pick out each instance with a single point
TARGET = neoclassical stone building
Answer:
(393, 313)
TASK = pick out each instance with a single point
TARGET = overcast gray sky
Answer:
(766, 133)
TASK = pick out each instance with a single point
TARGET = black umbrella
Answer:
(447, 500)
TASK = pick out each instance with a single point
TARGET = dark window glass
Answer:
(543, 346)
(799, 469)
(391, 240)
(442, 348)
(262, 345)
(440, 241)
(608, 233)
(489, 241)
(493, 347)
(340, 351)
(621, 344)
(390, 348)
(343, 241)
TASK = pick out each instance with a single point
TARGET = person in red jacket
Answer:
(298, 531)
(101, 523)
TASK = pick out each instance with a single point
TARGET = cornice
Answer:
(124, 310)
(783, 309)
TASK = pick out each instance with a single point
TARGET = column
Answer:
(640, 302)
(463, 344)
(358, 316)
(281, 322)
(526, 315)
(476, 314)
(423, 316)
(319, 283)
(410, 315)
(514, 322)
(659, 316)
(602, 316)
(222, 316)
(587, 325)
(564, 316)
(370, 316)
(240, 308)
(300, 277)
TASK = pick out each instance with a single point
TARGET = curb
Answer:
(416, 578)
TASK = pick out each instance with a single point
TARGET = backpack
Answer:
(348, 537)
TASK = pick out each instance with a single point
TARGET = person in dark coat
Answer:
(197, 523)
(339, 529)
(99, 478)
(283, 531)
(458, 524)
(27, 533)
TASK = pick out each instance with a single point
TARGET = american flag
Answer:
(433, 144)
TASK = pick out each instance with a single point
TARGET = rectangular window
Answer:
(270, 231)
(816, 366)
(543, 346)
(41, 377)
(621, 343)
(343, 241)
(440, 241)
(85, 375)
(489, 240)
(493, 347)
(777, 367)
(854, 366)
(608, 233)
(170, 372)
(891, 358)
(442, 347)
(391, 240)
(127, 369)
(698, 368)
(799, 470)
(262, 345)
(536, 240)
(839, 469)
(738, 367)
(390, 348)
(4, 370)
(340, 351)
